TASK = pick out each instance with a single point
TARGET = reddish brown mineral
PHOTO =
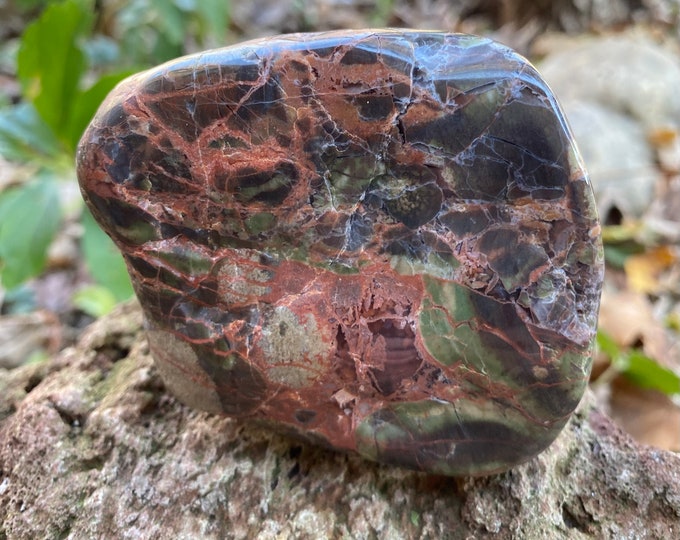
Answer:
(382, 241)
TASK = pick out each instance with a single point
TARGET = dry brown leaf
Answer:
(625, 316)
(628, 318)
(643, 270)
(649, 416)
(666, 141)
(663, 136)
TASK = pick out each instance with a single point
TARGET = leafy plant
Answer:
(152, 31)
(640, 369)
(59, 67)
(42, 133)
(30, 215)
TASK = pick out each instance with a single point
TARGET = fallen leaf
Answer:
(666, 141)
(643, 270)
(627, 317)
(663, 136)
(648, 415)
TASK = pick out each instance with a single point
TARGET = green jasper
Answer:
(382, 241)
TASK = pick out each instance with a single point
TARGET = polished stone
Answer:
(380, 241)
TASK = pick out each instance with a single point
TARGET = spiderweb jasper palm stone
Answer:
(381, 241)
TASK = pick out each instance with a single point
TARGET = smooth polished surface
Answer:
(380, 241)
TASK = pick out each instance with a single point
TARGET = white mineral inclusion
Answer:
(175, 376)
(237, 282)
(294, 348)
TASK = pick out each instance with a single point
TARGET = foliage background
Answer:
(59, 59)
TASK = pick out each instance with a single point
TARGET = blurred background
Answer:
(614, 65)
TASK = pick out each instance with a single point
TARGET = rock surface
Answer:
(618, 92)
(92, 446)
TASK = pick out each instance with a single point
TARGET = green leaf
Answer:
(104, 261)
(26, 5)
(647, 373)
(383, 11)
(170, 20)
(24, 136)
(214, 15)
(88, 102)
(639, 368)
(95, 300)
(50, 64)
(608, 346)
(29, 217)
